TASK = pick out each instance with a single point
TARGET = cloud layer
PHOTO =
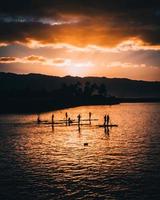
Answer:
(102, 23)
(70, 37)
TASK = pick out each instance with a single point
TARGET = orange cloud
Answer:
(100, 31)
(132, 44)
(29, 59)
(7, 59)
(33, 58)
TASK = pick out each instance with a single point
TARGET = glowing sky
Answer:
(83, 38)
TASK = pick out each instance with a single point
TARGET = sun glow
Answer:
(79, 68)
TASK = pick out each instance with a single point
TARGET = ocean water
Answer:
(42, 162)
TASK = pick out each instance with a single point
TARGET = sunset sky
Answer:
(111, 38)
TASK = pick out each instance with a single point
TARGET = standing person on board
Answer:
(108, 119)
(52, 118)
(105, 120)
(38, 119)
(66, 117)
(79, 119)
(53, 122)
(90, 114)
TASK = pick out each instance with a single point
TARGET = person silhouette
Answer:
(38, 119)
(79, 119)
(52, 118)
(108, 119)
(69, 121)
(105, 120)
(90, 115)
(66, 114)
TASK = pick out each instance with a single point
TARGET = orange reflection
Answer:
(63, 151)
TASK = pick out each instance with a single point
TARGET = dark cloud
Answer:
(53, 7)
(101, 22)
(76, 34)
(20, 32)
(7, 59)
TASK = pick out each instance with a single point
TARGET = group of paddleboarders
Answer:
(69, 121)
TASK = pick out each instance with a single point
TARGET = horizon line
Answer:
(102, 77)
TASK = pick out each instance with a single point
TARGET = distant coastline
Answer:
(41, 106)
(36, 93)
(46, 104)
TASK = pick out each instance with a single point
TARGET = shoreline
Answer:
(42, 106)
(139, 100)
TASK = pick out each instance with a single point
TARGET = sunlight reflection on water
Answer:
(39, 162)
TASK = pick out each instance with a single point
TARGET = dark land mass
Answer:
(35, 93)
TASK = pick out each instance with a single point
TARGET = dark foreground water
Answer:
(41, 162)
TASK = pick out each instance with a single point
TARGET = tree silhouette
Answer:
(102, 90)
(78, 89)
(87, 89)
(94, 87)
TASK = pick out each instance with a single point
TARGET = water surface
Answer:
(43, 162)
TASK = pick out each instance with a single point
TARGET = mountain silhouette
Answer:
(39, 93)
(119, 87)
